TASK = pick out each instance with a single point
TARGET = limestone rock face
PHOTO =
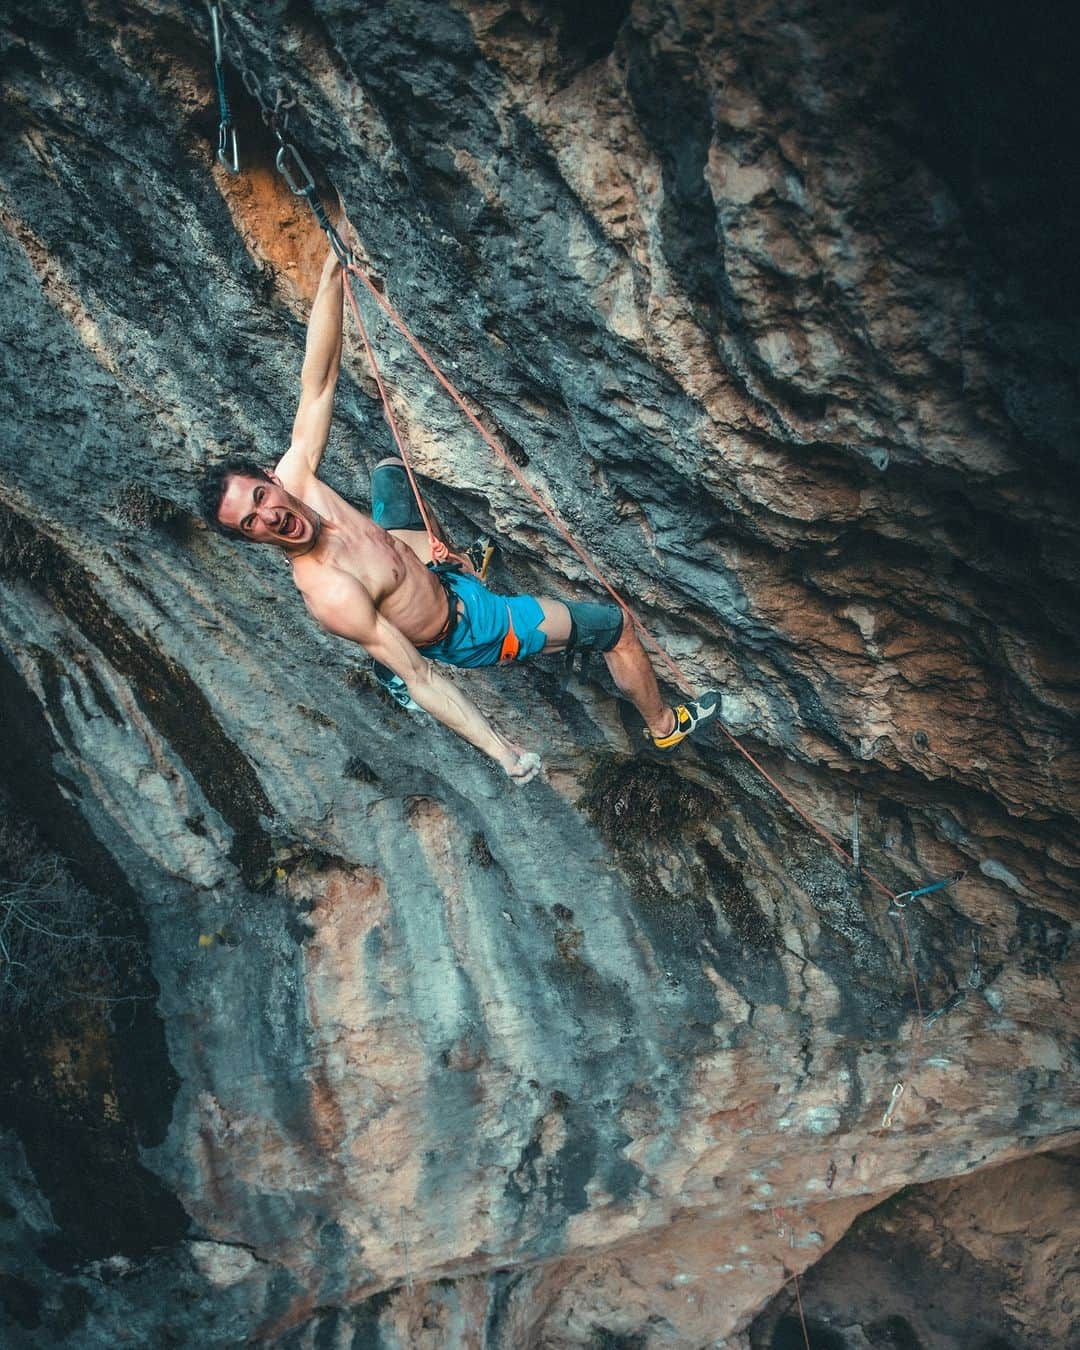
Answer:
(986, 1260)
(776, 308)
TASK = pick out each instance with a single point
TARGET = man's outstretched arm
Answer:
(319, 373)
(345, 608)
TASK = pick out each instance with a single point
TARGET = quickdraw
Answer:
(904, 898)
(226, 130)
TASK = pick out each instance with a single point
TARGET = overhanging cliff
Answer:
(778, 309)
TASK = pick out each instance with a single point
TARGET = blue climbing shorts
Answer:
(489, 628)
(393, 505)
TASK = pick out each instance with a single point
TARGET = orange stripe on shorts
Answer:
(510, 644)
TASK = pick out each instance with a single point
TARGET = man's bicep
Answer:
(311, 425)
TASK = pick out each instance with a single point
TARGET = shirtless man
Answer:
(371, 579)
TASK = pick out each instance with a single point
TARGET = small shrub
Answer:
(636, 801)
(58, 940)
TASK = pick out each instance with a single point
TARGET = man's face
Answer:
(265, 513)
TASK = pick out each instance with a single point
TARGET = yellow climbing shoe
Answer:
(688, 717)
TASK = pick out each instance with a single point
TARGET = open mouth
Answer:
(291, 526)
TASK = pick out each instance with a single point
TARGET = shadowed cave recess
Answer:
(315, 1032)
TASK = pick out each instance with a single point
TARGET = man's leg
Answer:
(394, 507)
(627, 660)
(603, 628)
(632, 672)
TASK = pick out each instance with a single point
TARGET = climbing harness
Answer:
(301, 182)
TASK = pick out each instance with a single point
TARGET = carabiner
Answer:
(344, 253)
(277, 119)
(282, 162)
(905, 896)
(253, 85)
(935, 886)
(232, 163)
(894, 1101)
(226, 130)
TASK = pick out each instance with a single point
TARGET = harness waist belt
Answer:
(447, 630)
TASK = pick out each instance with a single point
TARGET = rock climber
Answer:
(372, 579)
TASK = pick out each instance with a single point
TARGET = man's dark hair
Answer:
(212, 488)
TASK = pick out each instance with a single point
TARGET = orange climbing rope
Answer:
(439, 551)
